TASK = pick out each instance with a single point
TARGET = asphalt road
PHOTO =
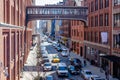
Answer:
(51, 50)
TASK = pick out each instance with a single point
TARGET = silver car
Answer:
(47, 66)
(96, 77)
(65, 53)
(86, 74)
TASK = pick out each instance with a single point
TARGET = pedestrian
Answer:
(101, 69)
(85, 63)
(106, 74)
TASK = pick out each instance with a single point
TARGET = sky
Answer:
(43, 2)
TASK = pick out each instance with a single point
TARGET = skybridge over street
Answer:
(56, 12)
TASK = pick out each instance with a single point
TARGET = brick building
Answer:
(116, 37)
(12, 31)
(66, 27)
(77, 36)
(102, 34)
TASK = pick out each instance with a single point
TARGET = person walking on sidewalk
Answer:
(85, 63)
(107, 72)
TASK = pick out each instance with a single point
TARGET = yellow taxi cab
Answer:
(56, 59)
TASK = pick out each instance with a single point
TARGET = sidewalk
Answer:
(31, 61)
(95, 70)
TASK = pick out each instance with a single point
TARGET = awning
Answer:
(112, 58)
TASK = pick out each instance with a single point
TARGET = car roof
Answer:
(95, 76)
(47, 63)
(49, 77)
(62, 64)
(64, 49)
(86, 70)
(45, 58)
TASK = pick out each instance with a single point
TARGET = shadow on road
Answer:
(32, 68)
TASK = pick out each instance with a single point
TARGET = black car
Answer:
(76, 62)
(45, 60)
(73, 70)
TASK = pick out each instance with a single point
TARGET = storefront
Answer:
(92, 55)
(115, 64)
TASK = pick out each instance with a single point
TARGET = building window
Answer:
(116, 41)
(77, 22)
(77, 33)
(96, 5)
(101, 20)
(116, 20)
(85, 35)
(116, 2)
(89, 8)
(106, 18)
(106, 3)
(104, 38)
(96, 36)
(101, 4)
(91, 36)
(74, 33)
(92, 21)
(96, 20)
(92, 6)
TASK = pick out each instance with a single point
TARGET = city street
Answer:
(51, 50)
(30, 70)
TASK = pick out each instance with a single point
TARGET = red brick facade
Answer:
(100, 36)
(66, 25)
(12, 26)
(77, 36)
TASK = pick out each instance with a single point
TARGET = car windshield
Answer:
(100, 79)
(64, 51)
(49, 78)
(62, 68)
(55, 57)
(44, 56)
(72, 67)
(46, 60)
(47, 64)
(88, 73)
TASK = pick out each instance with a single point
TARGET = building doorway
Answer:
(81, 51)
(116, 70)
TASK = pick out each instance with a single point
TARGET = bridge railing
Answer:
(58, 10)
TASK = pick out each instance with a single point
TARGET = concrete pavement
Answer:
(31, 61)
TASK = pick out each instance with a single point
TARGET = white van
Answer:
(62, 69)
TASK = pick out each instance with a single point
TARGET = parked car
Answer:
(56, 59)
(96, 77)
(44, 56)
(62, 69)
(49, 40)
(65, 53)
(59, 48)
(44, 52)
(43, 48)
(47, 66)
(86, 74)
(49, 77)
(73, 70)
(31, 48)
(44, 60)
